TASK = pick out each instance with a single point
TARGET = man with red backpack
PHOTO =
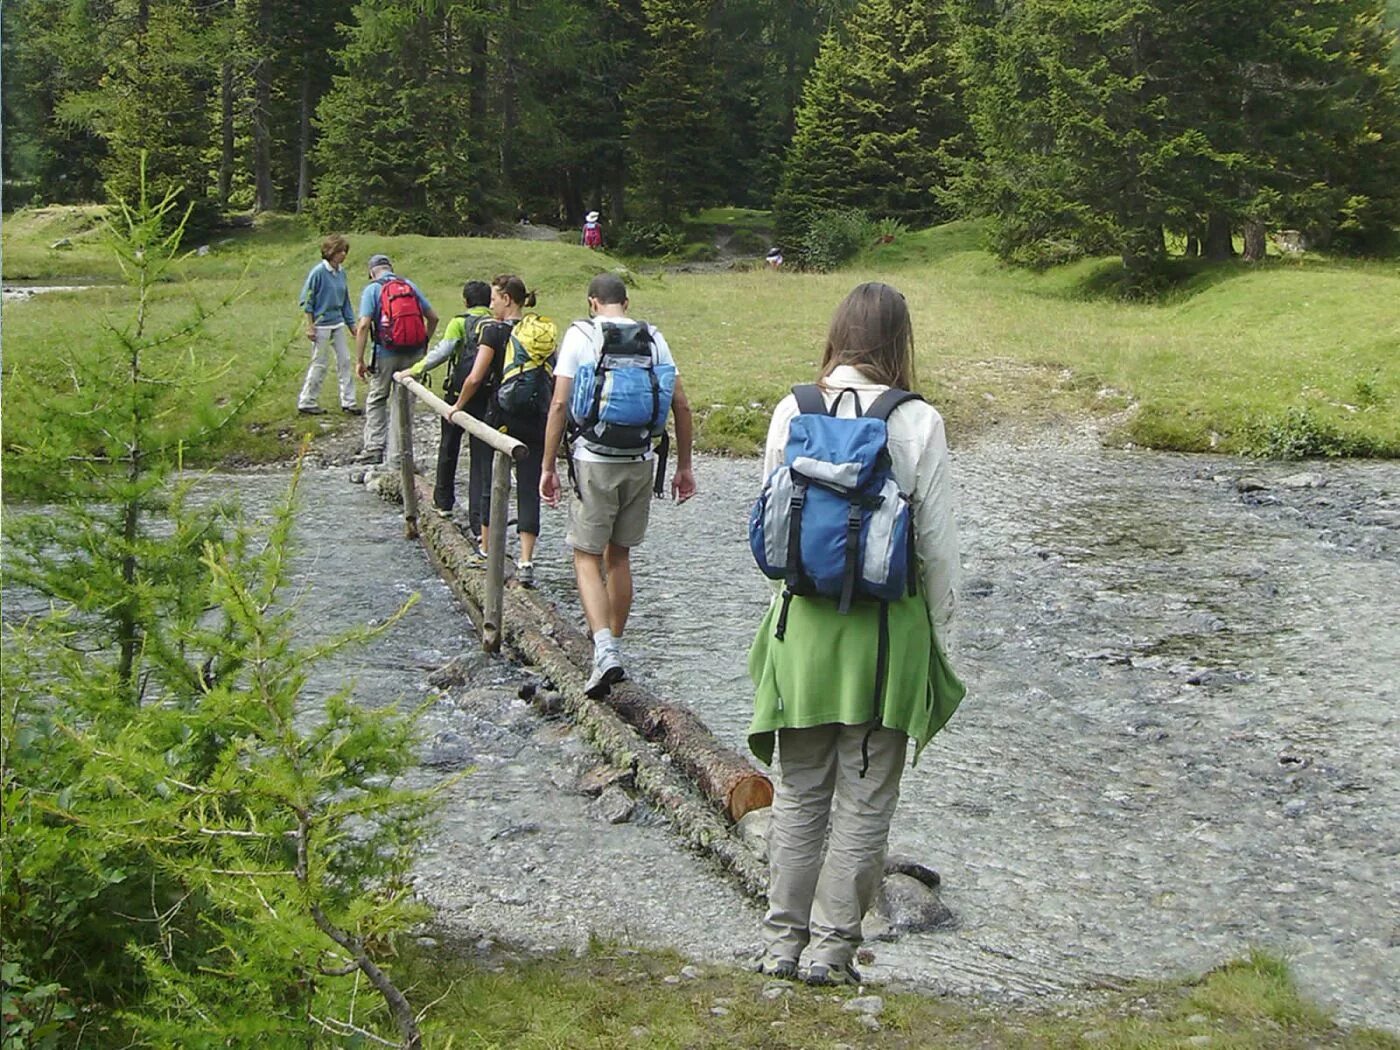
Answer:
(399, 321)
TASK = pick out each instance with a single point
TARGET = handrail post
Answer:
(506, 451)
(491, 629)
(410, 491)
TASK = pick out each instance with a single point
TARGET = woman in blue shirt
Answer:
(325, 299)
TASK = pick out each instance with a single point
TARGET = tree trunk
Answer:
(1255, 243)
(508, 96)
(1218, 246)
(226, 134)
(264, 198)
(1192, 248)
(304, 143)
(476, 124)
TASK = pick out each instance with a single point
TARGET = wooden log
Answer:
(718, 783)
(409, 492)
(496, 552)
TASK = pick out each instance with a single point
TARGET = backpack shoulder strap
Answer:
(809, 399)
(887, 402)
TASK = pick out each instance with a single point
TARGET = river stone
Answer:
(1248, 484)
(62, 242)
(594, 782)
(549, 703)
(1306, 479)
(447, 750)
(902, 864)
(752, 829)
(458, 671)
(872, 1005)
(910, 906)
(614, 806)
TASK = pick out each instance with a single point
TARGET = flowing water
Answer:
(1180, 740)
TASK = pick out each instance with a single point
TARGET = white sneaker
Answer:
(607, 672)
(525, 573)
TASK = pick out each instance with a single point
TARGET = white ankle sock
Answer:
(602, 641)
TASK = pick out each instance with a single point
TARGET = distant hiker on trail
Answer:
(592, 231)
(615, 384)
(399, 322)
(774, 258)
(458, 347)
(848, 664)
(512, 379)
(325, 299)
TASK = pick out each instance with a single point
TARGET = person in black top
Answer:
(458, 348)
(508, 302)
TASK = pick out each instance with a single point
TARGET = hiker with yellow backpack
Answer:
(515, 364)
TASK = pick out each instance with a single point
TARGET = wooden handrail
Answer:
(473, 426)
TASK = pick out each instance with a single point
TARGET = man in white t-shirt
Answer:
(609, 516)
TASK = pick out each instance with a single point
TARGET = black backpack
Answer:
(461, 362)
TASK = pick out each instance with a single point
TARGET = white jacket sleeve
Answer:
(936, 529)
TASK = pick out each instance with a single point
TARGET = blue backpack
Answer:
(619, 404)
(831, 521)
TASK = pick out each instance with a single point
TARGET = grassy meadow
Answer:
(1296, 356)
(613, 997)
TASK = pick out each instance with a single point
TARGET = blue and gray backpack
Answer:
(618, 405)
(831, 520)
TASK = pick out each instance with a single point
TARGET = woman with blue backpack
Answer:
(856, 521)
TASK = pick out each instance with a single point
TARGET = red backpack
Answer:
(401, 326)
(592, 235)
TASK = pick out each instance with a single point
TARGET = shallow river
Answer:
(1180, 740)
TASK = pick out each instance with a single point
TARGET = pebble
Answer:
(690, 973)
(869, 1022)
(1094, 1035)
(775, 991)
(670, 979)
(719, 1011)
(1197, 1019)
(871, 1005)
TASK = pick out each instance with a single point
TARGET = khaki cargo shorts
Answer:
(612, 505)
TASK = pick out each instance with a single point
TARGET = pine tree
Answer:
(673, 115)
(185, 852)
(158, 85)
(1104, 123)
(880, 127)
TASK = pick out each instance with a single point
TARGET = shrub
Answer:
(649, 239)
(1298, 434)
(835, 236)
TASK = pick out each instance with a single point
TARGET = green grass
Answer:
(614, 997)
(1293, 355)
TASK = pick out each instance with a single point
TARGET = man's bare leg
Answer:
(618, 562)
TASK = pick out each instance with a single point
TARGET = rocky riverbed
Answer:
(1180, 741)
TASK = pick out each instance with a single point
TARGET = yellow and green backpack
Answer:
(527, 375)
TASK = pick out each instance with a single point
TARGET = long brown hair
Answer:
(872, 332)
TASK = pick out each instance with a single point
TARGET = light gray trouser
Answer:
(811, 900)
(381, 410)
(326, 338)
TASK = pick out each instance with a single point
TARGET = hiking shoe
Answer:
(311, 410)
(446, 515)
(822, 975)
(783, 969)
(352, 410)
(607, 672)
(525, 573)
(368, 455)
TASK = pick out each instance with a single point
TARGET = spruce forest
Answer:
(1130, 127)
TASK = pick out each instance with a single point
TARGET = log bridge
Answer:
(674, 759)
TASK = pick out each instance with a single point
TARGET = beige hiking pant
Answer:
(817, 903)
